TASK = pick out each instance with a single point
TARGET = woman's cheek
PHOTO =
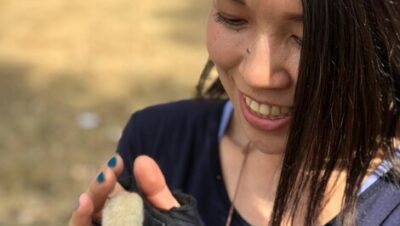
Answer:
(223, 45)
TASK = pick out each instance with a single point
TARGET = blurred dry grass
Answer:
(61, 58)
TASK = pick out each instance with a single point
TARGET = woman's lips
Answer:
(260, 122)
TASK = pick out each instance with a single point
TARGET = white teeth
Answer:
(285, 110)
(275, 111)
(254, 106)
(267, 110)
(264, 109)
(248, 101)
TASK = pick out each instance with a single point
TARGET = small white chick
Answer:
(124, 209)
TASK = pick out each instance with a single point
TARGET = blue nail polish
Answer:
(100, 178)
(112, 162)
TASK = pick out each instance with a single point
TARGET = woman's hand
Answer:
(148, 176)
(152, 183)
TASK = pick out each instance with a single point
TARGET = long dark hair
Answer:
(346, 105)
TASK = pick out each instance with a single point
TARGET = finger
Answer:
(106, 180)
(117, 189)
(152, 183)
(82, 216)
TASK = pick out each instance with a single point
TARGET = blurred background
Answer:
(71, 73)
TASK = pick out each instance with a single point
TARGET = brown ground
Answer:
(61, 58)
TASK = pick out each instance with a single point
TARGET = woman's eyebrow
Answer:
(294, 17)
(241, 2)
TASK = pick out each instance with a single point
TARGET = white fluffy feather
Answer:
(124, 209)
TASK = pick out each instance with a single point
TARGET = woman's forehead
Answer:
(291, 8)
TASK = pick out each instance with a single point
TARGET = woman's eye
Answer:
(298, 40)
(233, 22)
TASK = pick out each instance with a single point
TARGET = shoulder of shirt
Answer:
(182, 110)
(173, 126)
(172, 134)
(381, 202)
(178, 118)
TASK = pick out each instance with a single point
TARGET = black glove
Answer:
(185, 215)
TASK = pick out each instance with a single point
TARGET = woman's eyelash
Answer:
(219, 18)
(234, 22)
(298, 40)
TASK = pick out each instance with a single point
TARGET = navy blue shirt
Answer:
(183, 139)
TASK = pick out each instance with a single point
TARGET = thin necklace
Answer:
(245, 151)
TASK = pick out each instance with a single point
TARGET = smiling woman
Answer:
(337, 106)
(256, 50)
(306, 135)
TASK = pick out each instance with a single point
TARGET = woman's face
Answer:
(255, 45)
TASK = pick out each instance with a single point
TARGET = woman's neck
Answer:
(254, 194)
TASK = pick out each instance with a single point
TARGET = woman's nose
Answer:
(263, 65)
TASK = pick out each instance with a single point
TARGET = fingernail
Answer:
(100, 178)
(112, 162)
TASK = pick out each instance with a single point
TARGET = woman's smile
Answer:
(266, 110)
(264, 116)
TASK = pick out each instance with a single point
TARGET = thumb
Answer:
(152, 183)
